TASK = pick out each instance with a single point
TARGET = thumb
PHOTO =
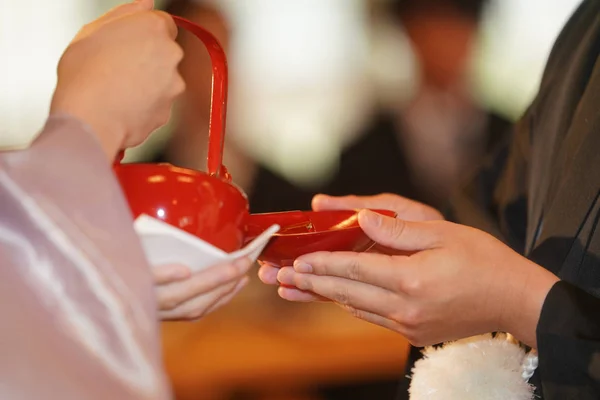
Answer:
(323, 202)
(384, 201)
(399, 234)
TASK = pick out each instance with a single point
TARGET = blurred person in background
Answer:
(444, 132)
(421, 149)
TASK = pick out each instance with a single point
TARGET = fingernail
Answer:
(302, 267)
(285, 276)
(319, 199)
(370, 217)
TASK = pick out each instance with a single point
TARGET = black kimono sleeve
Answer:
(568, 337)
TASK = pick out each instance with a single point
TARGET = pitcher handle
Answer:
(218, 104)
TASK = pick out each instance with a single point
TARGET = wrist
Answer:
(110, 136)
(531, 284)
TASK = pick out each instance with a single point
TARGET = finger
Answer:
(404, 208)
(267, 273)
(399, 234)
(375, 319)
(371, 268)
(173, 294)
(164, 274)
(383, 201)
(169, 23)
(196, 307)
(242, 283)
(290, 293)
(324, 202)
(294, 294)
(342, 291)
(179, 85)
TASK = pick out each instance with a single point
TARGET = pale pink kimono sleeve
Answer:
(77, 313)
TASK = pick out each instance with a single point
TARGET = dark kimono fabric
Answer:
(540, 194)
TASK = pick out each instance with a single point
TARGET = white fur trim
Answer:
(477, 368)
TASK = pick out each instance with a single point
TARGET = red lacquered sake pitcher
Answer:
(206, 205)
(212, 208)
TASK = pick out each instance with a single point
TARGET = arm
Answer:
(73, 268)
(76, 296)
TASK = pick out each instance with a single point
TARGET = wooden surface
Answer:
(264, 345)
